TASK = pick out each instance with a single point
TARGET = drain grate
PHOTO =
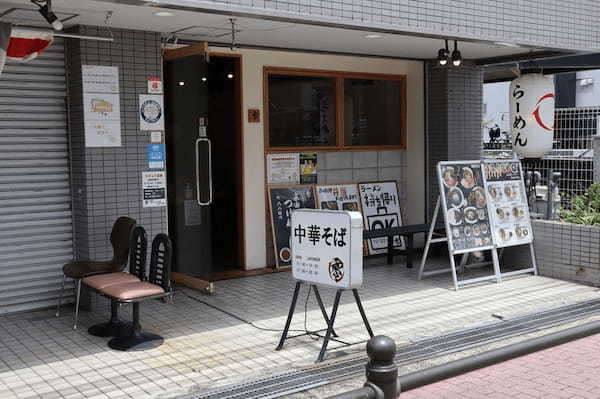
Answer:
(296, 381)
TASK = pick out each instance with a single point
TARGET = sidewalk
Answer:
(569, 371)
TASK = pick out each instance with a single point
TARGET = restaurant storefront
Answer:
(362, 106)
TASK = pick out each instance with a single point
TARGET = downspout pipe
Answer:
(475, 362)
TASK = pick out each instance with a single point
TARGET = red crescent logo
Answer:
(536, 112)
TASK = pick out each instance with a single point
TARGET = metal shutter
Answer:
(36, 235)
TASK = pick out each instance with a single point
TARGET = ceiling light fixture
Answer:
(456, 56)
(164, 14)
(372, 36)
(230, 76)
(203, 78)
(443, 54)
(46, 11)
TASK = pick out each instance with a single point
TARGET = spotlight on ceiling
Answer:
(203, 78)
(443, 55)
(230, 76)
(456, 56)
(46, 11)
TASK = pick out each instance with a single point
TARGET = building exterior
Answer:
(59, 196)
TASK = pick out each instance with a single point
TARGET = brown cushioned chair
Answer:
(119, 239)
(137, 272)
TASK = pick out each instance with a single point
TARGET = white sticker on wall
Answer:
(152, 112)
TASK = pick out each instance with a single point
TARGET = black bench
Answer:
(407, 231)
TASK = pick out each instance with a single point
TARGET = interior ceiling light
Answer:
(443, 54)
(456, 56)
(203, 78)
(230, 76)
(372, 36)
(46, 11)
(164, 14)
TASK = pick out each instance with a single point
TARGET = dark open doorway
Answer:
(204, 163)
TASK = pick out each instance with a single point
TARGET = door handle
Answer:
(210, 182)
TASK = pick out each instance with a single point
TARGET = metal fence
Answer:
(573, 151)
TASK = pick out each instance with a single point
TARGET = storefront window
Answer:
(301, 111)
(327, 110)
(372, 112)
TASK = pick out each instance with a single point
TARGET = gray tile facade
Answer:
(546, 23)
(107, 181)
(454, 107)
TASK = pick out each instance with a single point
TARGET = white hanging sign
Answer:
(532, 115)
(327, 247)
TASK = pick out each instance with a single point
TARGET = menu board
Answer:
(343, 197)
(465, 206)
(381, 210)
(507, 203)
(282, 201)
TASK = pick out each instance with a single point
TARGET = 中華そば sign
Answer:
(327, 247)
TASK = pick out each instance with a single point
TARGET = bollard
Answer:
(381, 370)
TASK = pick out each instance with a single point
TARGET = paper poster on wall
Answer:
(507, 203)
(308, 168)
(343, 197)
(101, 106)
(381, 210)
(465, 205)
(154, 189)
(156, 156)
(152, 112)
(282, 201)
(283, 168)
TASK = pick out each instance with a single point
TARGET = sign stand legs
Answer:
(430, 239)
(293, 308)
(533, 260)
(330, 320)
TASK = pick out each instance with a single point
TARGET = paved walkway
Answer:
(567, 371)
(41, 356)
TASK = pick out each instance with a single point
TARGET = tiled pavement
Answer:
(570, 371)
(41, 356)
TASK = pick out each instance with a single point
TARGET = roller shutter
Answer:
(36, 235)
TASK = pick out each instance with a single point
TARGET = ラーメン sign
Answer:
(327, 247)
(532, 115)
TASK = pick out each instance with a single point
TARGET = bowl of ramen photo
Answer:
(470, 215)
(467, 231)
(468, 178)
(455, 217)
(494, 192)
(455, 197)
(504, 234)
(502, 214)
(518, 212)
(521, 232)
(477, 197)
(449, 177)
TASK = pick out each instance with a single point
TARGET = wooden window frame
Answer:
(338, 77)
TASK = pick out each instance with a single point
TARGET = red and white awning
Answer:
(22, 44)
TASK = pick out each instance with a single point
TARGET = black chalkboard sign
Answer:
(282, 201)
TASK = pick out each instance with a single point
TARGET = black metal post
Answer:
(390, 250)
(381, 370)
(290, 315)
(409, 251)
(323, 311)
(362, 311)
(336, 303)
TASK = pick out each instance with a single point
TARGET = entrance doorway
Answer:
(204, 164)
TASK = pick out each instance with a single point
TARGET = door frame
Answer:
(199, 49)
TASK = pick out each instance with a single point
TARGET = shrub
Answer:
(585, 208)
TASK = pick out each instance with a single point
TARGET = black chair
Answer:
(137, 272)
(158, 287)
(119, 239)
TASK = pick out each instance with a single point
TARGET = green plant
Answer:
(585, 208)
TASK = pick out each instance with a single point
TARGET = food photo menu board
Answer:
(465, 205)
(507, 206)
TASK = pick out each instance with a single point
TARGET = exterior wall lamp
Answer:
(444, 55)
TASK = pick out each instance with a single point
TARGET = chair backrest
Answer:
(160, 261)
(119, 239)
(138, 252)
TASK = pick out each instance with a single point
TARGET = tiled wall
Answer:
(454, 112)
(563, 250)
(549, 23)
(107, 181)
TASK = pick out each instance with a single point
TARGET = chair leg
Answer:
(61, 295)
(78, 295)
(137, 340)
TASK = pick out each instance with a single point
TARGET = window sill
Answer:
(275, 150)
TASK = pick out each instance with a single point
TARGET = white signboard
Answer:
(152, 112)
(381, 210)
(338, 197)
(507, 203)
(101, 106)
(327, 247)
(154, 189)
(283, 168)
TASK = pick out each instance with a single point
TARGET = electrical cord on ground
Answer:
(238, 318)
